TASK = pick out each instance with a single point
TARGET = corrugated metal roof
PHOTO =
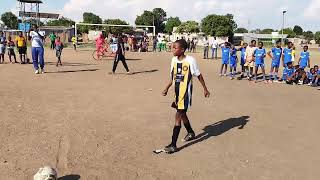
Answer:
(30, 1)
(260, 36)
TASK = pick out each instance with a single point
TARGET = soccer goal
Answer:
(95, 28)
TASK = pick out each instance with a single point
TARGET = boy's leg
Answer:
(115, 63)
(15, 58)
(172, 147)
(225, 69)
(263, 72)
(271, 73)
(35, 54)
(125, 65)
(10, 57)
(41, 58)
(256, 73)
(221, 69)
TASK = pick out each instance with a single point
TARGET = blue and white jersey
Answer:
(225, 55)
(310, 75)
(233, 56)
(276, 53)
(37, 40)
(287, 55)
(305, 56)
(287, 72)
(259, 55)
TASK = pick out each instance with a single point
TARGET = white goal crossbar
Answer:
(115, 25)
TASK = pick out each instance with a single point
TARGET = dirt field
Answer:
(94, 126)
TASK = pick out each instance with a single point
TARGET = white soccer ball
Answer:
(46, 173)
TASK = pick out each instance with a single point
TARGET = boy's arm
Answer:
(165, 91)
(309, 63)
(299, 60)
(206, 92)
(269, 54)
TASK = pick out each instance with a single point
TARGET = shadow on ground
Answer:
(70, 177)
(72, 71)
(69, 64)
(218, 128)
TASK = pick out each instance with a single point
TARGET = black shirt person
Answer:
(120, 56)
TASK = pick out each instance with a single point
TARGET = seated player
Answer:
(288, 73)
(317, 76)
(310, 77)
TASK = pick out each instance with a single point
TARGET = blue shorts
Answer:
(303, 67)
(233, 65)
(275, 65)
(225, 62)
(261, 65)
(243, 61)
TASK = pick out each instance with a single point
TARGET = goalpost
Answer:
(111, 25)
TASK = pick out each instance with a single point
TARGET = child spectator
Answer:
(250, 59)
(243, 59)
(22, 47)
(225, 58)
(233, 62)
(275, 55)
(74, 42)
(59, 47)
(304, 59)
(259, 55)
(11, 52)
(3, 43)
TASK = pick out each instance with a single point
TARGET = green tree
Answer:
(317, 37)
(117, 30)
(298, 30)
(61, 22)
(157, 17)
(308, 35)
(171, 23)
(241, 30)
(188, 27)
(10, 20)
(289, 32)
(91, 18)
(218, 25)
(267, 31)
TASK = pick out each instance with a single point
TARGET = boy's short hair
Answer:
(245, 43)
(261, 43)
(278, 42)
(290, 43)
(315, 66)
(289, 63)
(253, 41)
(306, 46)
(183, 43)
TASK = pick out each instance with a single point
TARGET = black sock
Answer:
(188, 127)
(175, 135)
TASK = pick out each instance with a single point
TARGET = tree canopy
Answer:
(10, 20)
(218, 25)
(308, 35)
(188, 27)
(157, 17)
(317, 37)
(289, 32)
(267, 31)
(63, 21)
(298, 30)
(91, 18)
(171, 23)
(241, 30)
(117, 30)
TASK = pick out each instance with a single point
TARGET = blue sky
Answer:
(248, 13)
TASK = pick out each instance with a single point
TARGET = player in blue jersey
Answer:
(225, 58)
(275, 55)
(259, 55)
(317, 76)
(288, 73)
(233, 62)
(310, 77)
(287, 54)
(243, 59)
(304, 60)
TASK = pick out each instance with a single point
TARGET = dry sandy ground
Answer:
(95, 126)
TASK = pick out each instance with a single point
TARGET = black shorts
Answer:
(174, 105)
(11, 52)
(22, 50)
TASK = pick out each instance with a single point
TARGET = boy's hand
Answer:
(206, 93)
(165, 92)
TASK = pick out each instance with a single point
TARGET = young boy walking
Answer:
(120, 57)
(182, 69)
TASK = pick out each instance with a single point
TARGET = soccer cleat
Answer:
(300, 83)
(189, 137)
(170, 149)
(37, 72)
(42, 71)
(309, 84)
(276, 81)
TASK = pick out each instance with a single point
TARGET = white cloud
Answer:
(261, 15)
(312, 11)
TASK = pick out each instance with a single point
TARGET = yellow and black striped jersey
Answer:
(181, 73)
